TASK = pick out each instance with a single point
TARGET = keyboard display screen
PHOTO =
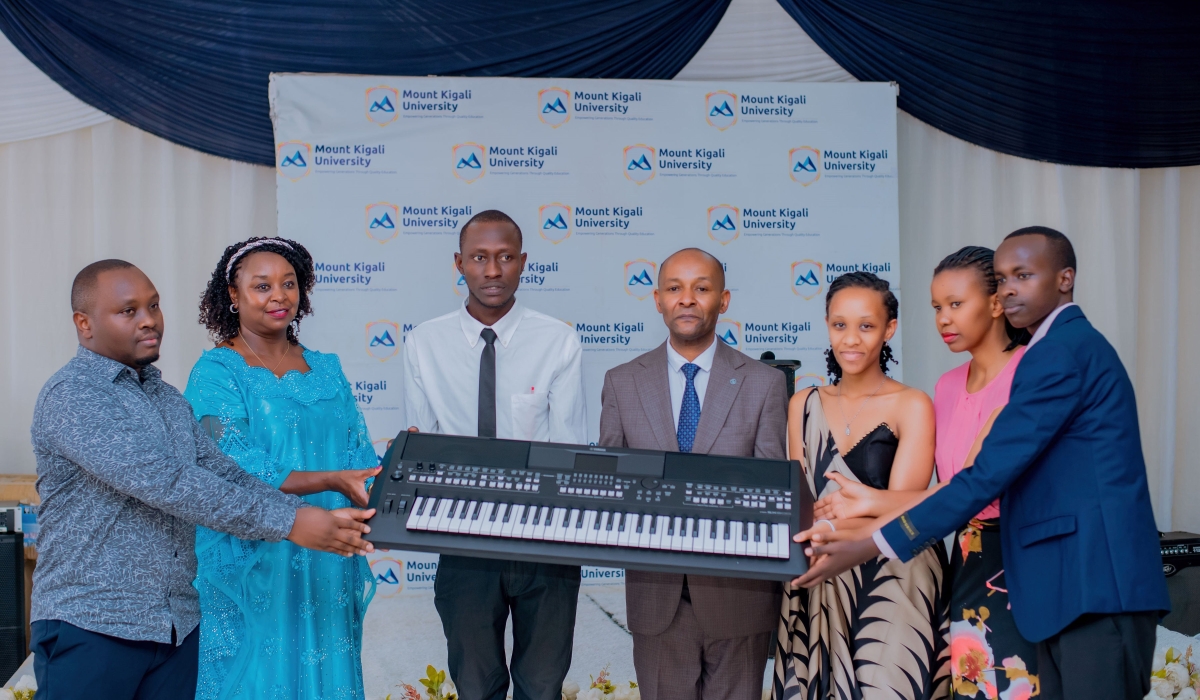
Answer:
(596, 464)
(712, 469)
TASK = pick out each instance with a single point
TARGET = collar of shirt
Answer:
(704, 360)
(112, 370)
(504, 328)
(1045, 327)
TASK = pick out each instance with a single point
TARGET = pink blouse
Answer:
(960, 416)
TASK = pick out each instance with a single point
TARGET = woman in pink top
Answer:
(988, 657)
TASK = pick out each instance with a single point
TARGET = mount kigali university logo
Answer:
(383, 339)
(381, 104)
(293, 159)
(724, 223)
(639, 163)
(389, 576)
(555, 222)
(721, 108)
(730, 332)
(468, 161)
(640, 277)
(381, 221)
(554, 106)
(805, 164)
(806, 278)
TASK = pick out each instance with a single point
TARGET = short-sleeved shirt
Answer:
(960, 416)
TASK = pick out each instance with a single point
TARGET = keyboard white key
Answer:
(558, 528)
(689, 535)
(479, 517)
(708, 539)
(541, 524)
(658, 533)
(612, 530)
(627, 530)
(591, 526)
(779, 541)
(759, 540)
(741, 537)
(675, 532)
(722, 530)
(507, 521)
(424, 511)
(644, 521)
(575, 526)
(442, 523)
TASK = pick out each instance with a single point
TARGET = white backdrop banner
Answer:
(789, 185)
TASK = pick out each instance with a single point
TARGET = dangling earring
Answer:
(233, 308)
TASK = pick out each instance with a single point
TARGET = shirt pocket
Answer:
(529, 413)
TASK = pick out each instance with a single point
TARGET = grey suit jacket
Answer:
(744, 414)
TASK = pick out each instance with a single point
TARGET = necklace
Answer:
(860, 408)
(289, 349)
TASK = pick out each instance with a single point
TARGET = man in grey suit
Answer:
(697, 637)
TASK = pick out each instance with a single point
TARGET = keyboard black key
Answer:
(525, 515)
(537, 515)
(671, 527)
(770, 535)
(495, 512)
(426, 502)
(695, 528)
(653, 524)
(608, 522)
(638, 519)
(712, 535)
(745, 534)
(579, 521)
(475, 515)
(757, 532)
(620, 522)
(507, 512)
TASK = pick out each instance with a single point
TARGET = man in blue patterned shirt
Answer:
(125, 473)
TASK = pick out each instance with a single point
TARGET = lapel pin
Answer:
(733, 381)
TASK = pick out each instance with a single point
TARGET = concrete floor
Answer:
(402, 635)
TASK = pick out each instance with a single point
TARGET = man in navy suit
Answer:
(1081, 553)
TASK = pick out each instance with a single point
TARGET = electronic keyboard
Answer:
(604, 506)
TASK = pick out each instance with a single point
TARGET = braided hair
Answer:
(215, 314)
(863, 280)
(983, 260)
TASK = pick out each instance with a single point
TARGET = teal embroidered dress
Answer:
(280, 622)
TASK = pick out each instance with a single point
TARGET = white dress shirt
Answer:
(886, 549)
(539, 379)
(677, 380)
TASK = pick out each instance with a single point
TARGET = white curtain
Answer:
(113, 191)
(32, 105)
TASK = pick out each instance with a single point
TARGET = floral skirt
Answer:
(988, 656)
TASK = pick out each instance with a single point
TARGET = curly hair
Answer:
(983, 260)
(222, 324)
(862, 280)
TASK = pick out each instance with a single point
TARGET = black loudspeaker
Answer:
(788, 367)
(1181, 565)
(12, 602)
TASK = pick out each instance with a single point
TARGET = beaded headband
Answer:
(249, 247)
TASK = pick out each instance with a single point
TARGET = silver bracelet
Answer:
(830, 522)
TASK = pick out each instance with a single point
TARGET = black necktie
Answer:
(487, 384)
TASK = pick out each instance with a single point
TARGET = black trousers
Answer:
(70, 663)
(474, 598)
(1099, 657)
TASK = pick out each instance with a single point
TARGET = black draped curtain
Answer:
(195, 71)
(1088, 82)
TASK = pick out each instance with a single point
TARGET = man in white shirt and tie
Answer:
(495, 368)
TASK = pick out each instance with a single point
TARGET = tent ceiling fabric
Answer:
(1104, 83)
(35, 105)
(196, 72)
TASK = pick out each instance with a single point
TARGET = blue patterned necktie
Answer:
(689, 410)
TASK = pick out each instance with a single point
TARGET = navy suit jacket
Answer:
(1065, 457)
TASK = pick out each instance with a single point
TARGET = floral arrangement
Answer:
(1175, 676)
(437, 687)
(601, 688)
(23, 690)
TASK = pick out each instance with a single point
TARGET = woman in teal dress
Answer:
(278, 622)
